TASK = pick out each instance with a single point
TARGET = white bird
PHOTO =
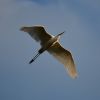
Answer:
(51, 44)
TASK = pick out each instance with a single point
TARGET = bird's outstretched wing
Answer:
(38, 33)
(65, 57)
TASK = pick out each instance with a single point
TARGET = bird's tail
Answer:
(34, 58)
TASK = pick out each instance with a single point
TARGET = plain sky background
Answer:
(46, 78)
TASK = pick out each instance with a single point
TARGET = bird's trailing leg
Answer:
(34, 58)
(39, 52)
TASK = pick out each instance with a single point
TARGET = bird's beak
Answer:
(62, 33)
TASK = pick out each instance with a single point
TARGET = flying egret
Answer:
(51, 44)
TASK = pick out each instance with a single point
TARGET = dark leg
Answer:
(34, 58)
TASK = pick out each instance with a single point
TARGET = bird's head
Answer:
(58, 36)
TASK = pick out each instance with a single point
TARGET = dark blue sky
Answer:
(46, 78)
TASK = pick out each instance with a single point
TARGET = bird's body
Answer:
(48, 44)
(51, 44)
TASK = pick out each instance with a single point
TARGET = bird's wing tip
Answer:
(74, 76)
(22, 28)
(72, 73)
